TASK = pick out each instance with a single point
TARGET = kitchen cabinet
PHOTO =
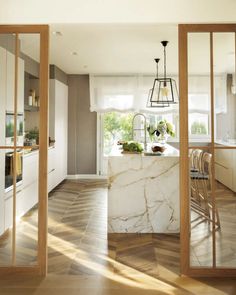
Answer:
(10, 83)
(27, 192)
(27, 195)
(225, 167)
(58, 126)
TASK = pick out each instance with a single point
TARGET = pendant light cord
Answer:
(164, 43)
(164, 66)
(164, 62)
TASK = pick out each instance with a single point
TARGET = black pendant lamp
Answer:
(164, 91)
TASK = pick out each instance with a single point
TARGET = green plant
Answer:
(33, 134)
(163, 127)
(132, 147)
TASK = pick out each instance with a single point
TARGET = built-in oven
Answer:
(9, 168)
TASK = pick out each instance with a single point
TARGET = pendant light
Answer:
(164, 91)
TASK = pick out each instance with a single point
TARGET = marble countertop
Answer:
(170, 151)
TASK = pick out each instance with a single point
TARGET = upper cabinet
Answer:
(10, 83)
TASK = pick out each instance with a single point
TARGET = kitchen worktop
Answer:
(170, 151)
(29, 152)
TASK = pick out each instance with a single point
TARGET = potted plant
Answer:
(162, 130)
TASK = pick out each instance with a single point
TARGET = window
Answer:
(116, 126)
(198, 124)
(199, 114)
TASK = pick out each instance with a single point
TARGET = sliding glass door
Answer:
(208, 167)
(23, 149)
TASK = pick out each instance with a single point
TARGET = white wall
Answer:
(117, 11)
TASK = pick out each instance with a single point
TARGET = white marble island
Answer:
(143, 195)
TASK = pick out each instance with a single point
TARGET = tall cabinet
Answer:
(58, 130)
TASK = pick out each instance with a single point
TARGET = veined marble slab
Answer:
(143, 194)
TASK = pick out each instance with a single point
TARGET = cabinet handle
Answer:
(51, 171)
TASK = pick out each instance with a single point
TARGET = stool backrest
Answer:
(196, 159)
(206, 165)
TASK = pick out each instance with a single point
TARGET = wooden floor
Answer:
(82, 260)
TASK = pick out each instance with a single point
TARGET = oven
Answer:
(9, 160)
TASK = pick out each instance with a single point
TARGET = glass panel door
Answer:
(23, 148)
(208, 145)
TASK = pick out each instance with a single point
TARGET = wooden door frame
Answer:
(183, 30)
(43, 31)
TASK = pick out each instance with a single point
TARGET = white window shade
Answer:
(121, 93)
(130, 94)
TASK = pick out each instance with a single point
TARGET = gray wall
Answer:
(81, 127)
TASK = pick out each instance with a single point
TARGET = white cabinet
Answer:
(8, 209)
(58, 122)
(30, 168)
(27, 192)
(225, 167)
(10, 83)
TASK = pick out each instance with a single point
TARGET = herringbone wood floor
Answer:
(81, 261)
(77, 226)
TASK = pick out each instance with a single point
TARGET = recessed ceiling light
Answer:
(74, 53)
(57, 33)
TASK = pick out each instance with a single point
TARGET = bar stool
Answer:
(201, 185)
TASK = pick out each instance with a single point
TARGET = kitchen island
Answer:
(143, 195)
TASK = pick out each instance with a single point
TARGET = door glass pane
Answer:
(19, 244)
(225, 163)
(199, 139)
(224, 89)
(29, 102)
(199, 89)
(225, 137)
(7, 81)
(6, 212)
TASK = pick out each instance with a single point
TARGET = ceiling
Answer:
(129, 49)
(107, 49)
(117, 11)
